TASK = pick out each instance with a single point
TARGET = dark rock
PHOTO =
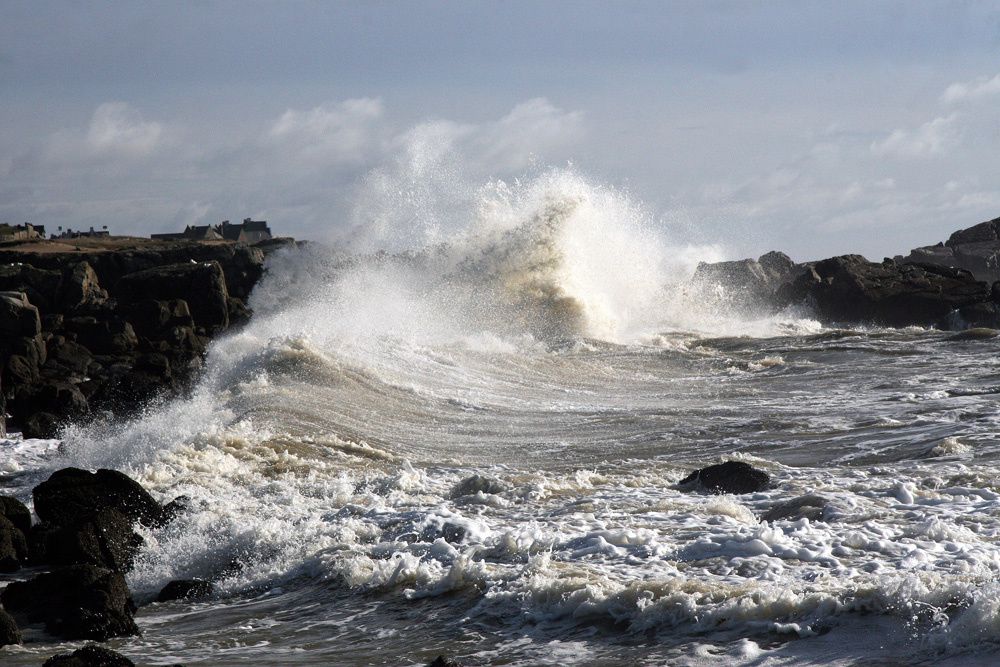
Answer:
(852, 289)
(477, 484)
(56, 397)
(185, 589)
(975, 249)
(105, 539)
(19, 371)
(442, 661)
(41, 425)
(201, 284)
(13, 546)
(728, 477)
(40, 285)
(804, 507)
(67, 358)
(9, 632)
(174, 508)
(91, 655)
(18, 317)
(77, 602)
(72, 494)
(81, 288)
(16, 512)
(109, 336)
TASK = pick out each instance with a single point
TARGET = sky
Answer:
(817, 128)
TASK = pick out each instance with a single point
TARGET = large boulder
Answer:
(78, 602)
(81, 288)
(16, 512)
(975, 249)
(40, 285)
(18, 317)
(71, 495)
(13, 546)
(851, 289)
(185, 589)
(9, 632)
(728, 477)
(90, 655)
(201, 284)
(105, 539)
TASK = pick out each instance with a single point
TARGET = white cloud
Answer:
(334, 133)
(116, 127)
(931, 138)
(971, 90)
(531, 128)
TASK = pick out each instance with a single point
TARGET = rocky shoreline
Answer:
(94, 328)
(952, 286)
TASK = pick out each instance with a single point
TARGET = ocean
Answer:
(470, 446)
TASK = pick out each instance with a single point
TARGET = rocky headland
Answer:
(91, 328)
(950, 286)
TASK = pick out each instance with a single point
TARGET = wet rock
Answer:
(41, 425)
(53, 396)
(728, 477)
(91, 655)
(18, 317)
(851, 289)
(72, 494)
(201, 284)
(442, 661)
(186, 589)
(77, 602)
(747, 284)
(16, 512)
(173, 509)
(477, 484)
(13, 546)
(105, 539)
(804, 507)
(9, 632)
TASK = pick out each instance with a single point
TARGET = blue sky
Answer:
(818, 128)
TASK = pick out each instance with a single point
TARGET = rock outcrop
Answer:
(975, 249)
(90, 655)
(850, 289)
(746, 285)
(85, 332)
(728, 477)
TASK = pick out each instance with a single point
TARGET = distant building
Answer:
(249, 231)
(77, 234)
(25, 232)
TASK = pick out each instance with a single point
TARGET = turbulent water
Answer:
(472, 448)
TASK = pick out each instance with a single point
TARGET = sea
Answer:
(469, 445)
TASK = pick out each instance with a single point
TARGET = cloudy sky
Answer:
(818, 128)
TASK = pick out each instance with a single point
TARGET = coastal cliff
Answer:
(93, 328)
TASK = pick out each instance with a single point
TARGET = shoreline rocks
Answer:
(97, 330)
(730, 477)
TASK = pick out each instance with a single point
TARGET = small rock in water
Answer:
(9, 634)
(72, 494)
(728, 477)
(804, 507)
(442, 661)
(185, 589)
(91, 655)
(477, 484)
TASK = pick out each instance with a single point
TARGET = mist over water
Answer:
(468, 445)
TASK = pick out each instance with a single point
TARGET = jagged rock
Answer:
(107, 336)
(728, 477)
(852, 289)
(81, 288)
(67, 358)
(71, 495)
(13, 546)
(40, 285)
(201, 284)
(16, 512)
(18, 317)
(77, 602)
(9, 632)
(185, 589)
(60, 398)
(41, 425)
(105, 539)
(746, 284)
(90, 655)
(477, 484)
(975, 249)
